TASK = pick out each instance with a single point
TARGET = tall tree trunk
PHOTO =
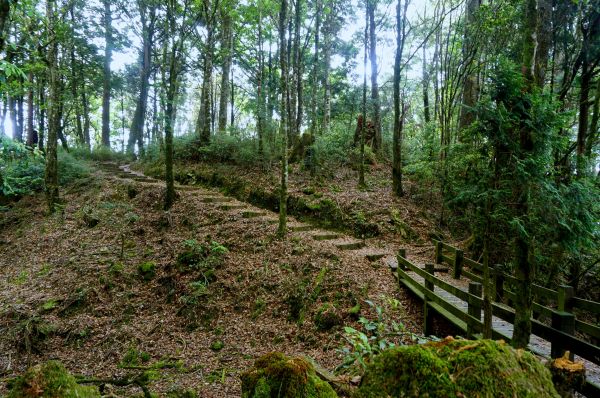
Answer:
(260, 74)
(203, 125)
(363, 126)
(398, 109)
(371, 5)
(51, 177)
(4, 13)
(42, 115)
(283, 126)
(425, 84)
(75, 75)
(315, 72)
(594, 133)
(136, 132)
(227, 51)
(20, 118)
(327, 40)
(31, 134)
(108, 38)
(298, 54)
(525, 267)
(86, 115)
(470, 89)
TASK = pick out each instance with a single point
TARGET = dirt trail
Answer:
(77, 285)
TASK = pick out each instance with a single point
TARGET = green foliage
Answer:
(275, 375)
(22, 168)
(134, 357)
(100, 154)
(147, 270)
(375, 336)
(49, 380)
(202, 257)
(456, 368)
(486, 172)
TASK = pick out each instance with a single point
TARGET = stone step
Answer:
(216, 199)
(326, 236)
(375, 256)
(356, 245)
(301, 228)
(232, 207)
(252, 214)
(145, 179)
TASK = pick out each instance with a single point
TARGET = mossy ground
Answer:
(275, 375)
(50, 380)
(457, 368)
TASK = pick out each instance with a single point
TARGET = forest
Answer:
(205, 198)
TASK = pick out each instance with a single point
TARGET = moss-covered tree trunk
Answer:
(371, 6)
(106, 88)
(51, 177)
(283, 126)
(227, 54)
(398, 109)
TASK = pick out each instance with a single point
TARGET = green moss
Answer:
(50, 380)
(457, 368)
(275, 375)
(147, 270)
(217, 345)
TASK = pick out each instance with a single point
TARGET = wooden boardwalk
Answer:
(537, 345)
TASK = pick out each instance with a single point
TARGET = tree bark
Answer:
(31, 135)
(227, 51)
(371, 6)
(4, 13)
(398, 109)
(470, 89)
(51, 176)
(425, 84)
(136, 132)
(106, 88)
(361, 168)
(327, 39)
(283, 126)
(315, 72)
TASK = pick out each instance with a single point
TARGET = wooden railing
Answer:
(563, 327)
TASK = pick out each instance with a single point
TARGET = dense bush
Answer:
(100, 154)
(22, 169)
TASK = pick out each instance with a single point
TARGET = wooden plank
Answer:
(448, 260)
(448, 247)
(541, 291)
(587, 328)
(445, 308)
(472, 276)
(461, 294)
(572, 343)
(587, 305)
(473, 264)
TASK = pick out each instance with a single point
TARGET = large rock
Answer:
(50, 380)
(276, 375)
(457, 368)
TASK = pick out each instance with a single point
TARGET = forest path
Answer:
(377, 252)
(373, 252)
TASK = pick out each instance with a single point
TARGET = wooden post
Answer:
(438, 252)
(430, 269)
(565, 322)
(458, 263)
(499, 283)
(474, 308)
(427, 310)
(563, 319)
(565, 298)
(401, 253)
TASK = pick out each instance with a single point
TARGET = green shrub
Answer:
(100, 154)
(49, 380)
(147, 270)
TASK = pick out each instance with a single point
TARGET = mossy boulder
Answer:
(276, 375)
(49, 380)
(457, 368)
